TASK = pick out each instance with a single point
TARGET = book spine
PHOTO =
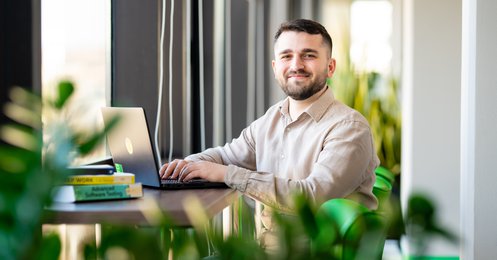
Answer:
(106, 192)
(110, 179)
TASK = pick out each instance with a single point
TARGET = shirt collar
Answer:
(317, 109)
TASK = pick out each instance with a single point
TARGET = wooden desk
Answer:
(130, 211)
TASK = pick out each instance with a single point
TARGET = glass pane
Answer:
(371, 30)
(76, 47)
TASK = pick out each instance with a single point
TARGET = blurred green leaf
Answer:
(421, 223)
(30, 168)
(20, 136)
(26, 99)
(87, 144)
(64, 92)
(137, 243)
(50, 248)
(307, 215)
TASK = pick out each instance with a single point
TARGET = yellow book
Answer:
(116, 178)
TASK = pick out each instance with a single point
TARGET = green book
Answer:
(76, 193)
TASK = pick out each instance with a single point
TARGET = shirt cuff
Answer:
(237, 178)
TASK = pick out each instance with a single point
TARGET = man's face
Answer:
(302, 63)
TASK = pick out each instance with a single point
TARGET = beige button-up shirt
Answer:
(327, 152)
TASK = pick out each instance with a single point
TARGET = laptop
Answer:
(131, 148)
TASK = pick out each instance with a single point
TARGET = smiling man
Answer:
(309, 142)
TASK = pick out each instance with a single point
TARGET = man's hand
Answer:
(173, 169)
(185, 170)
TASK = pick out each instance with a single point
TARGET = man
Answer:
(309, 142)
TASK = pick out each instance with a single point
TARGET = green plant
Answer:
(29, 169)
(421, 224)
(306, 234)
(377, 99)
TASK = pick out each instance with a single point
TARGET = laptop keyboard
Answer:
(170, 181)
(195, 183)
(176, 181)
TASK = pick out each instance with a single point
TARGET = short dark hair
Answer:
(307, 26)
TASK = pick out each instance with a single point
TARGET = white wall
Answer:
(431, 109)
(479, 130)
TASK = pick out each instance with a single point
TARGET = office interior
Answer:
(214, 77)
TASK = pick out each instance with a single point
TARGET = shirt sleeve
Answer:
(240, 152)
(344, 168)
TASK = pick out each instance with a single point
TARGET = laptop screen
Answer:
(130, 144)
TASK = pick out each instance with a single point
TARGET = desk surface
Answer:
(131, 211)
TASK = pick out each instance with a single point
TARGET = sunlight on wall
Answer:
(362, 31)
(336, 18)
(76, 47)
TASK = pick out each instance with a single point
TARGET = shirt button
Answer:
(282, 156)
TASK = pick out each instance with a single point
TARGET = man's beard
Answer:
(298, 91)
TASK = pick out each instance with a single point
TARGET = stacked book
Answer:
(92, 187)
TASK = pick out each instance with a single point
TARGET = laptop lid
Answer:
(130, 144)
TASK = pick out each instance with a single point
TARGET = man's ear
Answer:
(331, 67)
(272, 65)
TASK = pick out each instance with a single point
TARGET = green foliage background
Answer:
(376, 98)
(29, 169)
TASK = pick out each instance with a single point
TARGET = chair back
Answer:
(357, 232)
(382, 190)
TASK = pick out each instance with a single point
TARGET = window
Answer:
(76, 47)
(371, 30)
